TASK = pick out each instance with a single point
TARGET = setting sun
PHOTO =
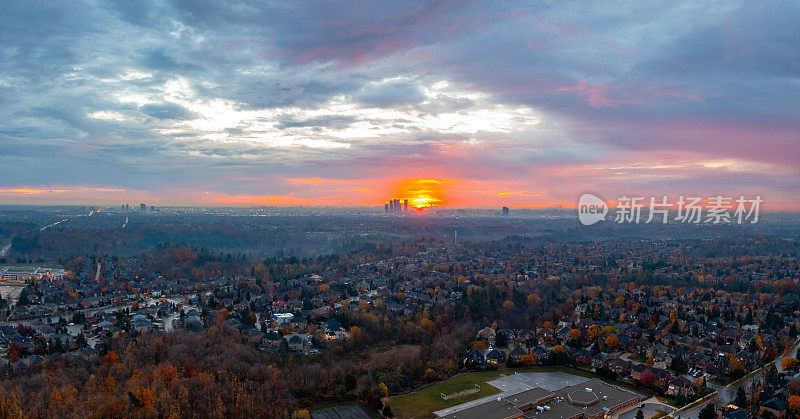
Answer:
(422, 193)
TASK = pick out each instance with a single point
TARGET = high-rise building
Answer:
(152, 208)
(405, 205)
(386, 207)
(505, 211)
(143, 207)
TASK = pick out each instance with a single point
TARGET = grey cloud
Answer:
(167, 111)
(608, 77)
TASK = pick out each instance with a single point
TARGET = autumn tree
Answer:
(794, 403)
(301, 414)
(770, 354)
(790, 364)
(355, 334)
(428, 325)
(527, 359)
(430, 375)
(735, 367)
(612, 341)
(111, 357)
(609, 329)
(594, 331)
(13, 351)
(222, 315)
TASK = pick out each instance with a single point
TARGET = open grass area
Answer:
(429, 399)
(423, 402)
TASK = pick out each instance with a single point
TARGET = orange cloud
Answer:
(25, 191)
(234, 200)
(38, 191)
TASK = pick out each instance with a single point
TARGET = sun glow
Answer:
(422, 193)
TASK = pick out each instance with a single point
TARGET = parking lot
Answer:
(552, 381)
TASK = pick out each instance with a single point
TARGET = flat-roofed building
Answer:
(500, 409)
(593, 399)
(554, 410)
(597, 399)
(282, 318)
(531, 398)
(27, 273)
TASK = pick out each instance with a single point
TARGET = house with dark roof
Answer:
(775, 406)
(495, 357)
(680, 385)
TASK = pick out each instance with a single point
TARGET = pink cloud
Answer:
(611, 95)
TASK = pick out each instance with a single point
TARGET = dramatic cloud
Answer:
(502, 103)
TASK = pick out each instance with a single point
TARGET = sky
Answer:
(464, 103)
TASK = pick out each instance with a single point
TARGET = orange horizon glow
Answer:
(421, 192)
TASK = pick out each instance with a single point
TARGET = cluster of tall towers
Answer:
(394, 205)
(142, 207)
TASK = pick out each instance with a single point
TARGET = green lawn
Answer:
(422, 403)
(429, 399)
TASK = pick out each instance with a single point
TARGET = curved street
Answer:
(727, 393)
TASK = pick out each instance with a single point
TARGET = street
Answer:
(727, 393)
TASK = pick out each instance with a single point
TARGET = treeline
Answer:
(175, 375)
(220, 373)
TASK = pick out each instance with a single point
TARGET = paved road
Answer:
(10, 291)
(50, 225)
(169, 320)
(5, 250)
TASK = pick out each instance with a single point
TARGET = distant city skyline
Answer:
(474, 105)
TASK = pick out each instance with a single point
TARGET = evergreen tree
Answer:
(741, 398)
(678, 365)
(708, 412)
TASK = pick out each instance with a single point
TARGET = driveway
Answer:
(650, 409)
